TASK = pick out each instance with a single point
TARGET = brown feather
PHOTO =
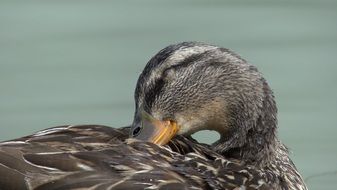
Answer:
(98, 157)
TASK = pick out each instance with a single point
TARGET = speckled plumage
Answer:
(199, 86)
(96, 157)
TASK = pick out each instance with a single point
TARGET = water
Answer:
(77, 62)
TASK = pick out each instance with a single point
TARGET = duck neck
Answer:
(258, 149)
(258, 143)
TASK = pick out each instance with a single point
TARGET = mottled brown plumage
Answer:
(198, 87)
(97, 157)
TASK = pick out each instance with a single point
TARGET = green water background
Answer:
(77, 62)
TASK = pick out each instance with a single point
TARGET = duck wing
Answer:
(100, 157)
(49, 155)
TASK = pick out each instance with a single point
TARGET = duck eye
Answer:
(136, 131)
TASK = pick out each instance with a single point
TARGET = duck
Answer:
(185, 88)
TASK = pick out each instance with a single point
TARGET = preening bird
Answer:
(183, 89)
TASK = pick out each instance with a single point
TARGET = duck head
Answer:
(190, 86)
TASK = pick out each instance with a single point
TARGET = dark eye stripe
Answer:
(153, 91)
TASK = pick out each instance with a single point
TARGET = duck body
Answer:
(185, 88)
(100, 157)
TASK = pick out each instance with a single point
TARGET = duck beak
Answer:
(154, 130)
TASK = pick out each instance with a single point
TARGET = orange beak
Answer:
(155, 131)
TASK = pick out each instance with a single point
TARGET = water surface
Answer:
(77, 62)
